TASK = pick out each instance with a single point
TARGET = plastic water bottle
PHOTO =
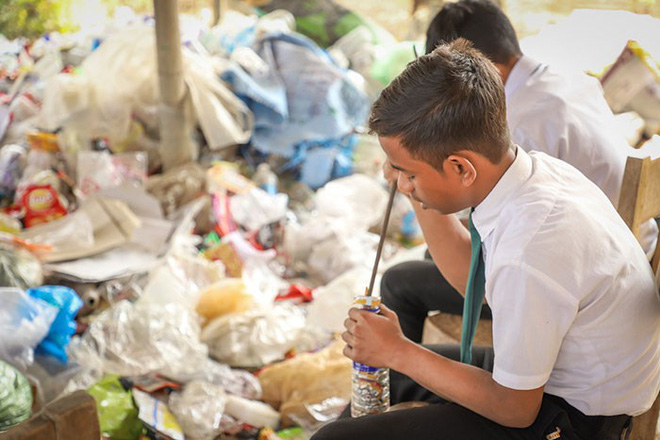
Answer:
(371, 386)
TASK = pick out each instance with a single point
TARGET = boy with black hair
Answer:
(564, 116)
(575, 306)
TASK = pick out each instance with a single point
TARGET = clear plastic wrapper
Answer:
(255, 338)
(133, 340)
(237, 382)
(76, 229)
(319, 414)
(199, 409)
(258, 208)
(332, 258)
(19, 268)
(100, 170)
(12, 163)
(24, 322)
(177, 186)
(358, 198)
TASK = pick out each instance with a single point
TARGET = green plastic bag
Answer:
(118, 415)
(323, 21)
(394, 61)
(15, 397)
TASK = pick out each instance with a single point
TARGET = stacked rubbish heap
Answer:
(205, 300)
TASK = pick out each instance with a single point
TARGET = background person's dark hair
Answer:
(480, 21)
(449, 100)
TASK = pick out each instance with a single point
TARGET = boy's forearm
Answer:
(469, 386)
(449, 244)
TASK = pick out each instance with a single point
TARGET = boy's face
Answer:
(442, 191)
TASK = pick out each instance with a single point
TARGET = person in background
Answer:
(564, 116)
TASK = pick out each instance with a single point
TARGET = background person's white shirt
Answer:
(568, 118)
(574, 300)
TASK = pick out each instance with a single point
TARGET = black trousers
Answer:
(442, 420)
(414, 288)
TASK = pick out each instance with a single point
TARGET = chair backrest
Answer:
(640, 198)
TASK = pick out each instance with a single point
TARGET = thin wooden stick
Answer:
(383, 232)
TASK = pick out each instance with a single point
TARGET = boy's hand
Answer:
(374, 339)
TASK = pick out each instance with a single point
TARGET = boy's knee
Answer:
(327, 432)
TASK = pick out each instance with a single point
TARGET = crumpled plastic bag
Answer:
(358, 199)
(199, 409)
(64, 326)
(118, 416)
(133, 340)
(19, 268)
(234, 381)
(301, 96)
(24, 323)
(255, 338)
(332, 301)
(257, 208)
(330, 259)
(15, 397)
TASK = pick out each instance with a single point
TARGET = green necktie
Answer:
(474, 295)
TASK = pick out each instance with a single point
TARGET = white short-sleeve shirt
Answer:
(574, 301)
(567, 117)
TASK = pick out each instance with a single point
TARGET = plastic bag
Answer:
(237, 382)
(98, 170)
(118, 416)
(177, 186)
(307, 379)
(15, 397)
(257, 208)
(331, 258)
(64, 326)
(199, 409)
(19, 268)
(24, 322)
(12, 163)
(133, 340)
(227, 296)
(332, 302)
(254, 338)
(358, 199)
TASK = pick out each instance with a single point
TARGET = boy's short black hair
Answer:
(481, 22)
(449, 100)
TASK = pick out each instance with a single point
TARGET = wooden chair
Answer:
(640, 201)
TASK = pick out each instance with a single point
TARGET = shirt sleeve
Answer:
(531, 315)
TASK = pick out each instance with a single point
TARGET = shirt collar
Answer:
(522, 70)
(485, 214)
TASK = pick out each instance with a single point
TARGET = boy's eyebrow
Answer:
(399, 168)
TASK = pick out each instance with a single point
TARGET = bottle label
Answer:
(370, 304)
(357, 366)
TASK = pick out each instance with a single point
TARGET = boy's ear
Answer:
(462, 167)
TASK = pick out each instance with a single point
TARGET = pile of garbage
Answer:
(203, 300)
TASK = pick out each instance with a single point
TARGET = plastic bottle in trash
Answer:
(265, 178)
(371, 386)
